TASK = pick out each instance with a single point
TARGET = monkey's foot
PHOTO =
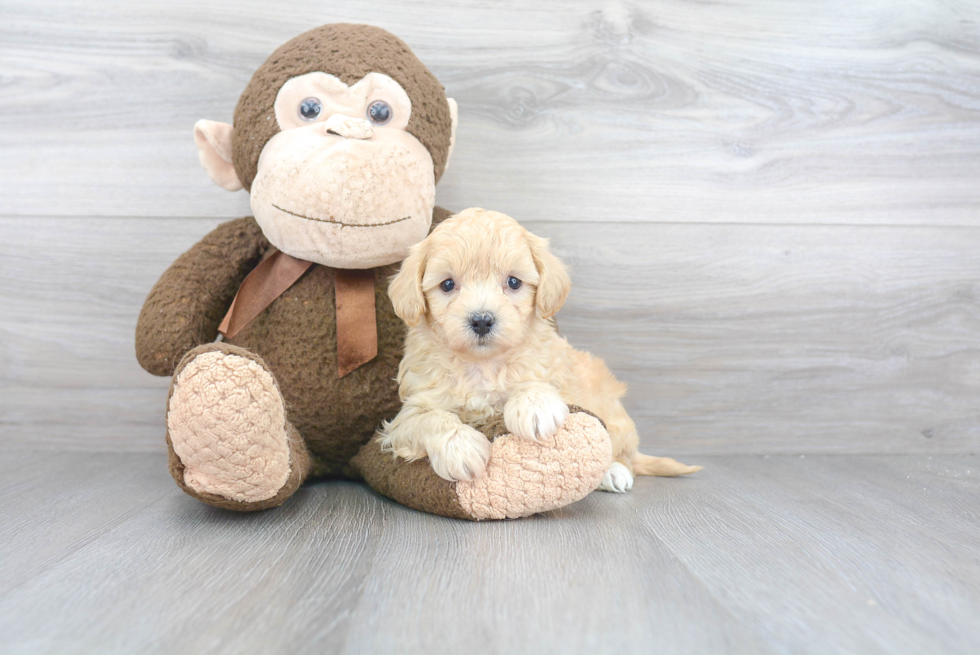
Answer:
(231, 444)
(522, 477)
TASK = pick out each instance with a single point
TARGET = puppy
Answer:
(478, 295)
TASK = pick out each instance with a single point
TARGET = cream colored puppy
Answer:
(477, 295)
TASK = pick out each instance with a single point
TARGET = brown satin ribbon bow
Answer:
(357, 325)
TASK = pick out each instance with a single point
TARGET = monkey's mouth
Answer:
(341, 223)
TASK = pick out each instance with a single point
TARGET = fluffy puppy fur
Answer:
(478, 295)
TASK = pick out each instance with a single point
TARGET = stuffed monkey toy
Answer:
(339, 139)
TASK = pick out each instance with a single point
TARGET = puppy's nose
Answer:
(481, 323)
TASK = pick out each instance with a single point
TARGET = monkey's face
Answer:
(343, 183)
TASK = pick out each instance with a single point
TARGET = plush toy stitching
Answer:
(327, 220)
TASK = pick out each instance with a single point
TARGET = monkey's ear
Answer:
(454, 117)
(405, 289)
(554, 283)
(213, 140)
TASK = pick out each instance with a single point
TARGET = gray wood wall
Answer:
(770, 208)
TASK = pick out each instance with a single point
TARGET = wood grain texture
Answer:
(872, 545)
(56, 503)
(770, 211)
(868, 554)
(733, 338)
(668, 110)
(791, 339)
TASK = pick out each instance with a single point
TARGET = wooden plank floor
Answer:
(756, 554)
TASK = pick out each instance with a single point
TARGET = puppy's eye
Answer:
(447, 285)
(514, 283)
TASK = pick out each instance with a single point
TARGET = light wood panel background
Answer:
(770, 208)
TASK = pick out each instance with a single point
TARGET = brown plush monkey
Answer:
(340, 138)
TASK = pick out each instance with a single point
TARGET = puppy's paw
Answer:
(617, 479)
(535, 415)
(461, 455)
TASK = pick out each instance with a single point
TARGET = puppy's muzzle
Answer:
(481, 323)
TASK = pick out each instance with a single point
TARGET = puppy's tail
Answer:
(661, 466)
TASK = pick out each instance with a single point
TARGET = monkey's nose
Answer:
(481, 323)
(348, 127)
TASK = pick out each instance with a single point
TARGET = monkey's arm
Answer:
(189, 300)
(522, 477)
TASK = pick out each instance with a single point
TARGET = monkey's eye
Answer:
(447, 285)
(309, 109)
(379, 112)
(514, 283)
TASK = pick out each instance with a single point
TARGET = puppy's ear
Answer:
(554, 283)
(405, 289)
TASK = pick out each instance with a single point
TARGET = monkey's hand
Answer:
(189, 300)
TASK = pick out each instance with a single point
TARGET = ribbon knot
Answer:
(357, 325)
